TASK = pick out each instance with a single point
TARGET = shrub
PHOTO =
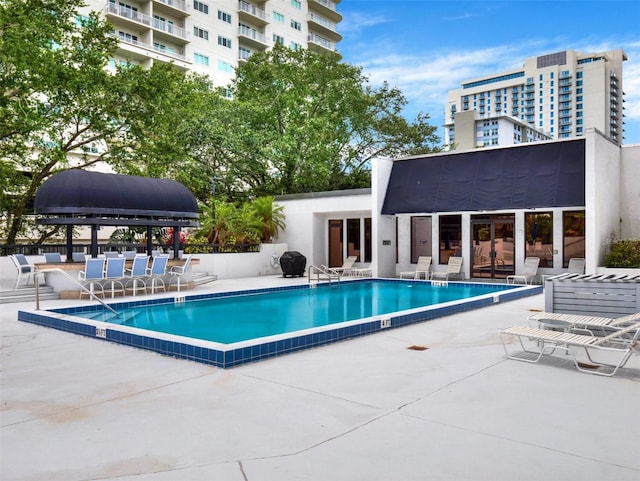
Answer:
(623, 253)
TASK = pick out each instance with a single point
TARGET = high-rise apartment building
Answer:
(213, 36)
(560, 95)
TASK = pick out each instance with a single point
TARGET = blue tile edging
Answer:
(227, 356)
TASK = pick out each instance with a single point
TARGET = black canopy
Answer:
(93, 198)
(81, 197)
(550, 174)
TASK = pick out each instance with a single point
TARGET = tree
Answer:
(58, 99)
(305, 122)
(271, 216)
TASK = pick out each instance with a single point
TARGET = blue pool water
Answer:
(242, 317)
(227, 329)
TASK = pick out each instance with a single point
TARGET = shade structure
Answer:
(81, 197)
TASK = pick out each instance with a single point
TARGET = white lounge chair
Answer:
(345, 270)
(178, 272)
(576, 265)
(529, 272)
(24, 269)
(621, 344)
(422, 267)
(155, 274)
(558, 320)
(114, 275)
(135, 277)
(92, 275)
(454, 269)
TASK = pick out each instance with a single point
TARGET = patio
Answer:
(75, 408)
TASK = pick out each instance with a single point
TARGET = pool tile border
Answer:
(231, 355)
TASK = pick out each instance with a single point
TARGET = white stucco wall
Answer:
(307, 216)
(383, 227)
(630, 192)
(602, 196)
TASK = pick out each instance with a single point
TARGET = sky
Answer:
(426, 48)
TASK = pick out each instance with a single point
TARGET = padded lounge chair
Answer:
(346, 268)
(423, 267)
(178, 272)
(78, 256)
(24, 269)
(114, 275)
(620, 344)
(156, 273)
(591, 323)
(529, 271)
(576, 266)
(52, 257)
(136, 275)
(454, 269)
(92, 275)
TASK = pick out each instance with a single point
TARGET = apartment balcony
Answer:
(252, 37)
(530, 88)
(324, 26)
(564, 75)
(143, 52)
(244, 54)
(326, 8)
(564, 98)
(178, 8)
(251, 13)
(564, 82)
(564, 114)
(320, 44)
(135, 20)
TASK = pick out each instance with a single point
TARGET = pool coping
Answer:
(234, 354)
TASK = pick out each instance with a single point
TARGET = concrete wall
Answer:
(307, 216)
(383, 227)
(630, 192)
(602, 196)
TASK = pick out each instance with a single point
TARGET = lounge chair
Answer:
(24, 269)
(114, 275)
(454, 269)
(78, 256)
(135, 277)
(558, 320)
(529, 271)
(111, 254)
(576, 266)
(52, 257)
(178, 272)
(155, 274)
(92, 275)
(423, 267)
(346, 268)
(129, 255)
(620, 343)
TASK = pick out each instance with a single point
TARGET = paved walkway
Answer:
(370, 409)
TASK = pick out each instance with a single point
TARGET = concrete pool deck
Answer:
(75, 408)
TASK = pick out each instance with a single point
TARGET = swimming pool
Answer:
(232, 328)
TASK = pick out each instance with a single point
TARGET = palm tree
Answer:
(271, 215)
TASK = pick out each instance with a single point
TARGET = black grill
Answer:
(293, 264)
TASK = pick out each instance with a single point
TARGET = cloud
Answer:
(355, 22)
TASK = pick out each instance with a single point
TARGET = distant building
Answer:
(471, 131)
(559, 95)
(213, 37)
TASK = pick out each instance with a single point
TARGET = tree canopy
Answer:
(296, 121)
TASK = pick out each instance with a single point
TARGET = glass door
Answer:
(493, 249)
(335, 243)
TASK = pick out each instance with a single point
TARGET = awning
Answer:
(550, 174)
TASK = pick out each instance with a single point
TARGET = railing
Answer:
(41, 249)
(322, 21)
(317, 39)
(323, 271)
(146, 20)
(251, 9)
(76, 281)
(177, 4)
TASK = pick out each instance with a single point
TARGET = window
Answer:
(201, 7)
(420, 237)
(278, 17)
(572, 236)
(200, 59)
(200, 33)
(353, 238)
(224, 16)
(295, 46)
(296, 4)
(538, 232)
(225, 67)
(224, 41)
(296, 25)
(450, 234)
(278, 39)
